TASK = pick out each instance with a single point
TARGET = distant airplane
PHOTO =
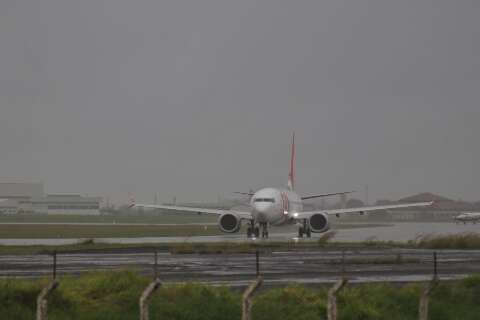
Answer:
(467, 217)
(277, 207)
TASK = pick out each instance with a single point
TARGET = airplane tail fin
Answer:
(131, 201)
(291, 175)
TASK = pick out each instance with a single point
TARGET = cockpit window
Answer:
(265, 200)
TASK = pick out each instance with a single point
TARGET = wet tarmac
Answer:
(307, 266)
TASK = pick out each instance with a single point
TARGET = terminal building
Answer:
(17, 197)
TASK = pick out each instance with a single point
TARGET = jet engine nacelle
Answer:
(229, 223)
(319, 222)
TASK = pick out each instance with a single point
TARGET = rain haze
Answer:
(199, 98)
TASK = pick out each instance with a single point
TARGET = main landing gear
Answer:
(304, 230)
(254, 231)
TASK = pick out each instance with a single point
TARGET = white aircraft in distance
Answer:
(277, 207)
(467, 217)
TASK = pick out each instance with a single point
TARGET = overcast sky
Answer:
(196, 98)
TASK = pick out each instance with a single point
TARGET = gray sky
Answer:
(196, 98)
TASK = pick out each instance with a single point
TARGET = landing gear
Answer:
(252, 231)
(304, 230)
(264, 230)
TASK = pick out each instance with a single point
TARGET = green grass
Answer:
(35, 231)
(454, 241)
(25, 226)
(110, 218)
(114, 295)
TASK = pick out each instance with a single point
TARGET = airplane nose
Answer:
(262, 208)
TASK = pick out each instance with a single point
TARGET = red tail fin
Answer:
(291, 175)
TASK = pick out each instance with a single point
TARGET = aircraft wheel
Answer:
(309, 233)
(300, 232)
(256, 231)
(249, 232)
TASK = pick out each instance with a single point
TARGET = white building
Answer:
(14, 192)
(65, 204)
(29, 197)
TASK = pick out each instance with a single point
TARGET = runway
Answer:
(307, 266)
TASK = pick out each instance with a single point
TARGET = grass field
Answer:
(64, 231)
(114, 295)
(27, 226)
(461, 241)
(109, 218)
(35, 231)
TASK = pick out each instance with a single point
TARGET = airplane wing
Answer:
(240, 214)
(326, 195)
(308, 214)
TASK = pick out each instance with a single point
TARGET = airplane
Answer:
(277, 207)
(467, 217)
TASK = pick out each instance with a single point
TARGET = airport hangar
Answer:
(29, 197)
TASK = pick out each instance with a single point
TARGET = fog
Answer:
(197, 99)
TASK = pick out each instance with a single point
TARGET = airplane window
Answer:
(264, 200)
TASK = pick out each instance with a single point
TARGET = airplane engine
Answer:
(319, 222)
(229, 223)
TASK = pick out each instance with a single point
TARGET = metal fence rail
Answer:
(278, 267)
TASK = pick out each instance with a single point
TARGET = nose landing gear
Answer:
(254, 232)
(304, 230)
(264, 230)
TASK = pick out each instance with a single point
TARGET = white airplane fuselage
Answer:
(468, 217)
(275, 206)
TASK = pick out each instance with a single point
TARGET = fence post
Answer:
(149, 290)
(247, 298)
(155, 266)
(424, 299)
(332, 298)
(42, 300)
(425, 296)
(257, 262)
(54, 264)
(144, 299)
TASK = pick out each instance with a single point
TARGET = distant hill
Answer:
(425, 197)
(440, 203)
